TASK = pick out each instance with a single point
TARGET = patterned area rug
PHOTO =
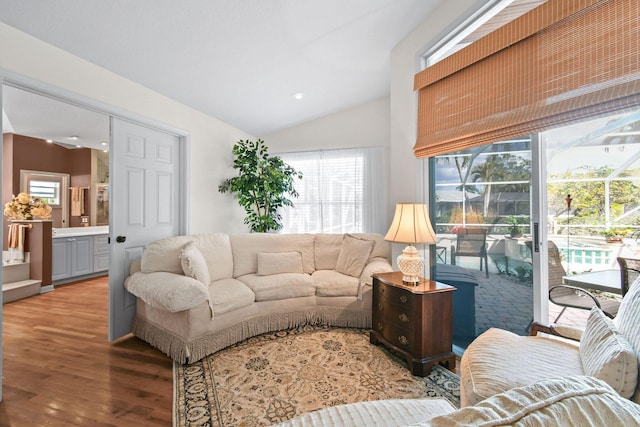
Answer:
(277, 376)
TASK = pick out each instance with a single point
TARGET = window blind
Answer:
(564, 61)
(342, 191)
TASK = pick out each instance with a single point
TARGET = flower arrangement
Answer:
(23, 206)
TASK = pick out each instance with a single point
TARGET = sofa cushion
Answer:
(493, 363)
(216, 249)
(381, 248)
(246, 247)
(563, 401)
(327, 249)
(330, 283)
(279, 262)
(164, 255)
(279, 286)
(194, 264)
(229, 294)
(354, 255)
(628, 323)
(608, 355)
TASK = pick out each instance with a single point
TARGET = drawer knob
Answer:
(403, 318)
(381, 290)
(380, 306)
(403, 340)
(403, 299)
(379, 325)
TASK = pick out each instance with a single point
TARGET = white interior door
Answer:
(144, 206)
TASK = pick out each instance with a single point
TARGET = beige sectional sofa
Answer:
(198, 294)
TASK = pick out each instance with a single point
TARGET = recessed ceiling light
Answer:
(298, 95)
(73, 137)
(78, 146)
(50, 141)
(103, 143)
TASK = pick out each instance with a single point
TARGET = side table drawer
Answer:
(398, 336)
(394, 295)
(402, 315)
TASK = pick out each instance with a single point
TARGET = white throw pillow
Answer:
(606, 354)
(354, 255)
(279, 262)
(193, 264)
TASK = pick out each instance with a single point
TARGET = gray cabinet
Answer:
(61, 262)
(100, 253)
(72, 256)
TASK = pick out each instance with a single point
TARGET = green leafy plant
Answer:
(263, 185)
(514, 226)
(615, 232)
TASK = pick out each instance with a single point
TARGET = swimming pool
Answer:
(581, 256)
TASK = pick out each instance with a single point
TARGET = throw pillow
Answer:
(606, 354)
(354, 255)
(193, 264)
(279, 262)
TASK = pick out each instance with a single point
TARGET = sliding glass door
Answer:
(515, 217)
(483, 221)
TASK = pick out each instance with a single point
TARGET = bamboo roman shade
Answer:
(564, 61)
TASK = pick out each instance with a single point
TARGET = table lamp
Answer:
(411, 225)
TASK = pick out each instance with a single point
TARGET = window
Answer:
(341, 191)
(48, 192)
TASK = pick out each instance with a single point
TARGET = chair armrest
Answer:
(168, 291)
(568, 332)
(583, 299)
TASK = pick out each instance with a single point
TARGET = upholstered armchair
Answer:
(607, 349)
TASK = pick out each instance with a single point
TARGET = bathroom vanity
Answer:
(79, 253)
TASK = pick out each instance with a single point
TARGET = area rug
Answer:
(277, 376)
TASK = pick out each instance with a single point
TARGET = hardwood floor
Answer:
(60, 370)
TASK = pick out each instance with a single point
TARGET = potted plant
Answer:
(615, 234)
(263, 185)
(514, 227)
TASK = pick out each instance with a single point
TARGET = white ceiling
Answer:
(237, 60)
(37, 116)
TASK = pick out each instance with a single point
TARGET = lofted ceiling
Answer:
(237, 60)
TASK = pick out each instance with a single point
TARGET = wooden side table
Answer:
(414, 320)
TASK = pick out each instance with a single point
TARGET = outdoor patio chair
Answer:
(471, 242)
(572, 296)
(629, 272)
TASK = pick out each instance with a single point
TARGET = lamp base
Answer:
(411, 265)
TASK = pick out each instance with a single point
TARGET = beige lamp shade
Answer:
(411, 225)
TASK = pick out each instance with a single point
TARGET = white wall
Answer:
(407, 178)
(210, 140)
(366, 125)
(405, 183)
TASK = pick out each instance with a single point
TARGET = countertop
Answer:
(80, 231)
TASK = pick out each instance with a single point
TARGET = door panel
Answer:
(145, 181)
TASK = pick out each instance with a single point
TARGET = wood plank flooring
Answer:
(60, 370)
